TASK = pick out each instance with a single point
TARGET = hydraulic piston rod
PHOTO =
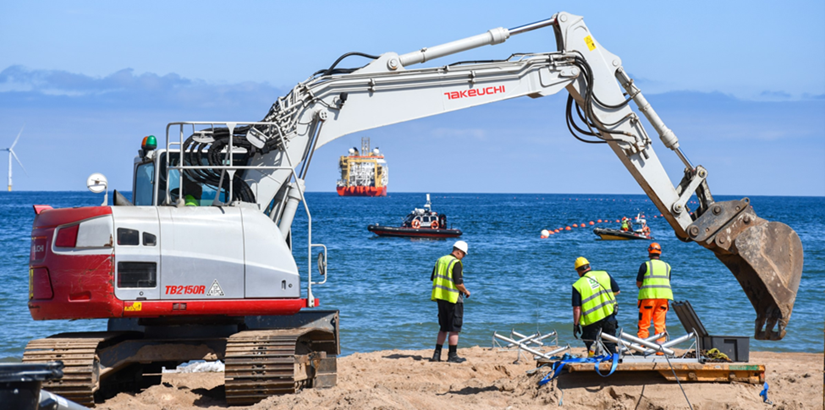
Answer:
(491, 37)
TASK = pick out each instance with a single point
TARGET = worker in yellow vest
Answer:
(594, 305)
(449, 292)
(653, 281)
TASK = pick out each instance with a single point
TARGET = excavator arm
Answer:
(766, 257)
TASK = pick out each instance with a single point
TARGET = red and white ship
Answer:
(364, 172)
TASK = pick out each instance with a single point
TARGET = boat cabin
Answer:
(424, 218)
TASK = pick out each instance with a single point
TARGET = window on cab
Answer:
(144, 184)
(126, 236)
(207, 194)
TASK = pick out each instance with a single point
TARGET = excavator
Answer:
(199, 265)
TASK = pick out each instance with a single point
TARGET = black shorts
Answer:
(450, 316)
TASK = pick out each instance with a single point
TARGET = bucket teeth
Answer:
(764, 256)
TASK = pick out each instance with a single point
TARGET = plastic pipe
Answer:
(650, 345)
(673, 342)
(649, 339)
(627, 344)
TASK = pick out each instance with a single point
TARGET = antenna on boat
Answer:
(428, 205)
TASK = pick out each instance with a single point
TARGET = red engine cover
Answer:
(81, 286)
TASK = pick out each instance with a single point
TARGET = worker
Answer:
(653, 281)
(594, 305)
(192, 192)
(449, 292)
(625, 224)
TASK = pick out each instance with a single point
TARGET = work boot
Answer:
(453, 358)
(436, 356)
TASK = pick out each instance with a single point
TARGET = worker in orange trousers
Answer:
(653, 281)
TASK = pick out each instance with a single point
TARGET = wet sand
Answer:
(405, 379)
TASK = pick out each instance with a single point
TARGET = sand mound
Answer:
(489, 379)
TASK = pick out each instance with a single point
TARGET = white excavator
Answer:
(220, 277)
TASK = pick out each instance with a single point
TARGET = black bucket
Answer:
(20, 383)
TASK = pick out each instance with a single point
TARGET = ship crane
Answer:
(221, 276)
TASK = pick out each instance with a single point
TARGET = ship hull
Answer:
(414, 233)
(362, 191)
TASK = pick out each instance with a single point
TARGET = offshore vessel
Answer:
(364, 172)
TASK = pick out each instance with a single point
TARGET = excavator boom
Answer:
(766, 257)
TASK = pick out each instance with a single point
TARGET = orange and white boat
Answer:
(364, 172)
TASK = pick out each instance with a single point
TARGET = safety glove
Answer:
(577, 330)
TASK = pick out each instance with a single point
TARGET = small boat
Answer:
(420, 223)
(618, 235)
(641, 231)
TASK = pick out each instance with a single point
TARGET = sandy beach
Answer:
(405, 379)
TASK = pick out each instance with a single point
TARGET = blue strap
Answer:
(764, 393)
(612, 366)
(558, 366)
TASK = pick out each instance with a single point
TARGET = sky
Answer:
(740, 83)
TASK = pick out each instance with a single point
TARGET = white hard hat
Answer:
(462, 246)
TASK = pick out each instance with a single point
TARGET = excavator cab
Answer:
(146, 179)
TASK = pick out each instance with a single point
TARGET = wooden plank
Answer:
(686, 372)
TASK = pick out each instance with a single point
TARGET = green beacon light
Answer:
(149, 143)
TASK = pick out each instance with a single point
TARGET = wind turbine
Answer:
(12, 154)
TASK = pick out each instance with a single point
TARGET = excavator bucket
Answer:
(765, 257)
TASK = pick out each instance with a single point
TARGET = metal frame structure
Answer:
(230, 170)
(524, 342)
(646, 350)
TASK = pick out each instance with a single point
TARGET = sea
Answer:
(519, 281)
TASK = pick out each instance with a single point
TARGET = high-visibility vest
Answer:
(443, 286)
(191, 201)
(625, 226)
(656, 282)
(598, 301)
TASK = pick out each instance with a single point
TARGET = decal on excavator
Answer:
(473, 92)
(185, 290)
(590, 43)
(215, 290)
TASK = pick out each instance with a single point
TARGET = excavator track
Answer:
(263, 363)
(81, 371)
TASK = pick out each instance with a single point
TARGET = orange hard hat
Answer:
(654, 249)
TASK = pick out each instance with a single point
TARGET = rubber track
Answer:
(259, 364)
(80, 372)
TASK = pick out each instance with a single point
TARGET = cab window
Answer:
(205, 198)
(144, 184)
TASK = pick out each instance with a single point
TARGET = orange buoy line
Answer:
(545, 233)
